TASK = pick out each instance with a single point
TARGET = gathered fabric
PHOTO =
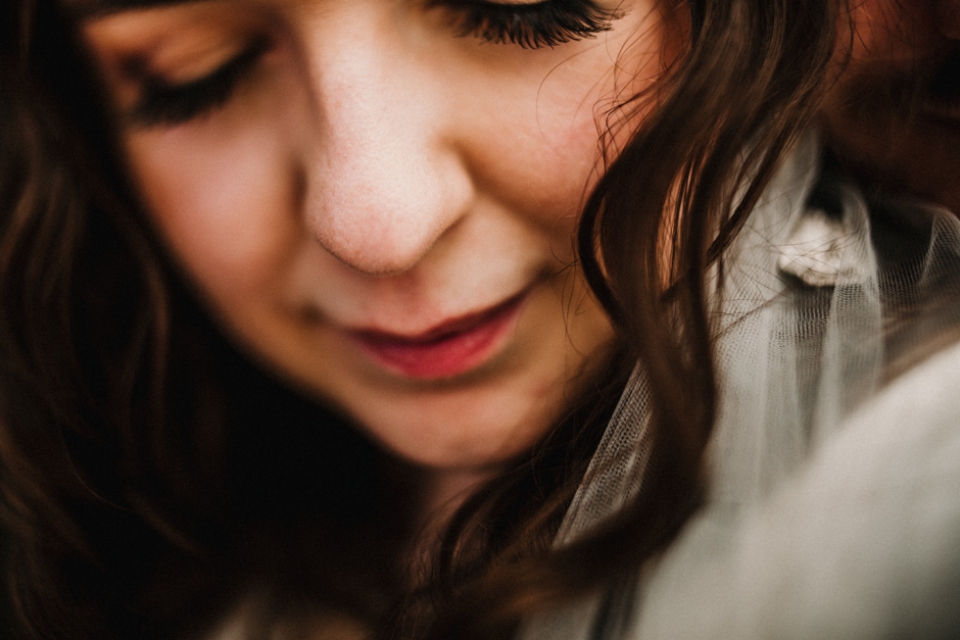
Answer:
(833, 508)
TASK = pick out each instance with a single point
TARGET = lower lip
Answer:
(448, 355)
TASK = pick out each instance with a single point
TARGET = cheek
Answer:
(566, 130)
(548, 170)
(222, 200)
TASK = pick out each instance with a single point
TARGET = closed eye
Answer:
(530, 25)
(165, 103)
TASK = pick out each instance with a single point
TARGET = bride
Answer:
(280, 280)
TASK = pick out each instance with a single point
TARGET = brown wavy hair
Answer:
(151, 475)
(148, 465)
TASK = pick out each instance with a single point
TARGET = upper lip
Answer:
(442, 329)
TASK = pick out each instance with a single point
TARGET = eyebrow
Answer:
(85, 9)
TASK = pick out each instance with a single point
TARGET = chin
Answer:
(464, 429)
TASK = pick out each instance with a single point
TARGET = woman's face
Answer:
(378, 197)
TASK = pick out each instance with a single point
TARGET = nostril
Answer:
(385, 237)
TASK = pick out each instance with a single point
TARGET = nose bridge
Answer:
(383, 180)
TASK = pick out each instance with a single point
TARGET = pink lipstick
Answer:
(452, 348)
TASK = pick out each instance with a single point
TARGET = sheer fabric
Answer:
(834, 503)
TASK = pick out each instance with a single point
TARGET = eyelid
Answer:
(212, 66)
(164, 102)
(166, 65)
(179, 43)
(186, 65)
(530, 25)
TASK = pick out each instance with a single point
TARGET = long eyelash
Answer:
(530, 25)
(171, 104)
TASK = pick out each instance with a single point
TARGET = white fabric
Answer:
(864, 542)
(819, 523)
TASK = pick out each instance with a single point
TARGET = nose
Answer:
(948, 17)
(384, 180)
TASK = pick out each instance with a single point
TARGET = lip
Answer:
(451, 348)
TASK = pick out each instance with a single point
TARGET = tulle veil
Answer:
(826, 300)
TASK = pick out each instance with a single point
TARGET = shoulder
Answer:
(914, 421)
(862, 542)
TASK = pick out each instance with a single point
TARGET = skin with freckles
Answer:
(894, 116)
(382, 208)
